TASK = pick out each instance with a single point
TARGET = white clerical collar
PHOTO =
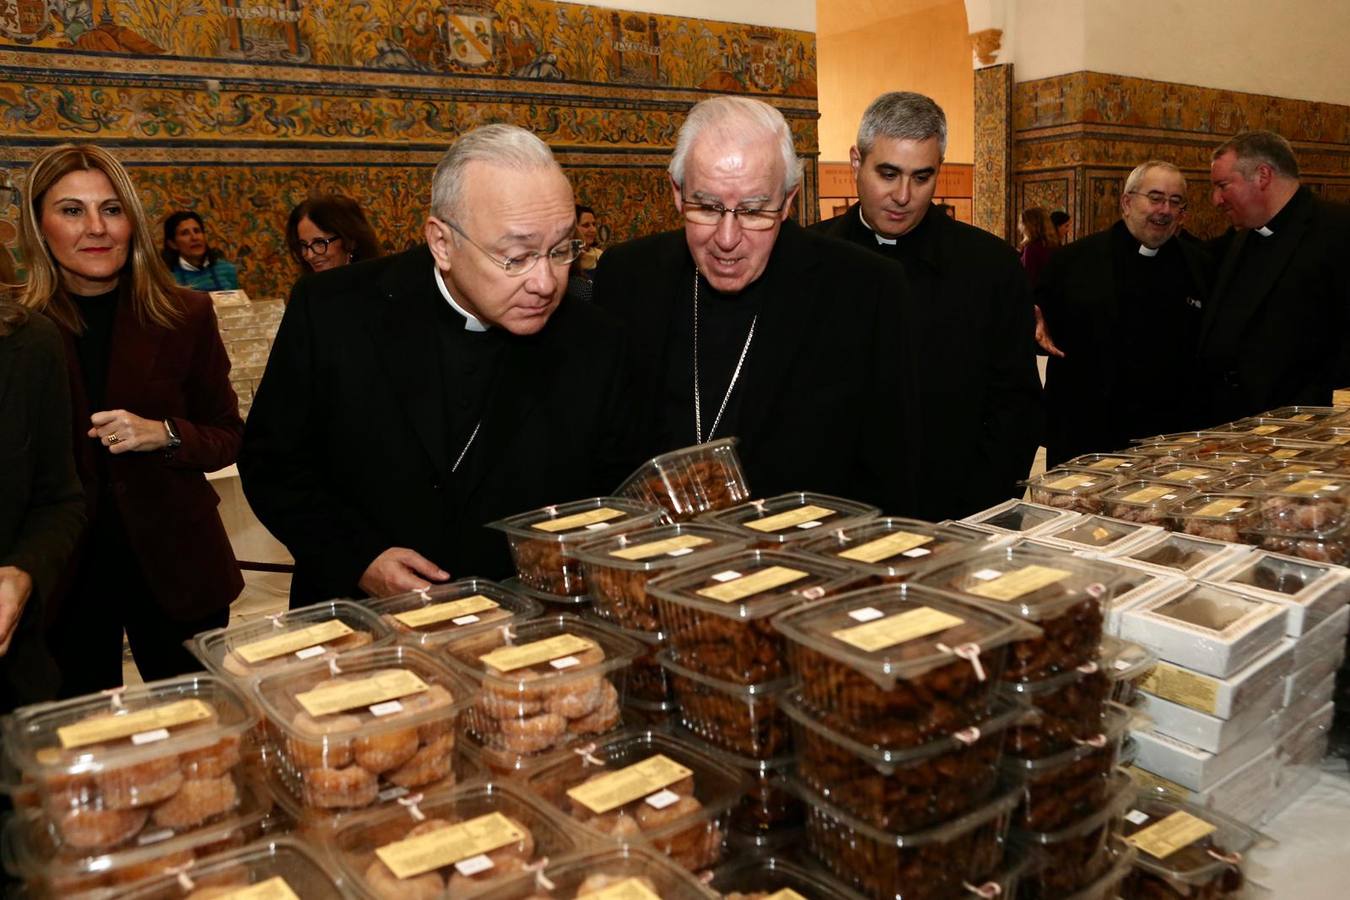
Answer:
(471, 322)
(1264, 231)
(876, 234)
(1147, 251)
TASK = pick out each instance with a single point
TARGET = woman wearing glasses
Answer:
(328, 231)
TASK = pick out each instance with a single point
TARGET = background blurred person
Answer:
(1037, 240)
(1061, 220)
(328, 231)
(582, 273)
(149, 379)
(191, 261)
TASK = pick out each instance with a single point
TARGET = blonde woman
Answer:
(153, 410)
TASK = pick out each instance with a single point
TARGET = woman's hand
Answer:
(124, 432)
(15, 587)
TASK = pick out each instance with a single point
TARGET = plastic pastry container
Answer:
(768, 809)
(1126, 665)
(1060, 789)
(1313, 591)
(543, 540)
(902, 789)
(1308, 414)
(787, 520)
(267, 869)
(450, 843)
(896, 665)
(739, 718)
(716, 615)
(1184, 850)
(606, 874)
(1108, 463)
(1186, 473)
(648, 788)
(1107, 886)
(1227, 461)
(364, 727)
(648, 682)
(1070, 707)
(691, 481)
(924, 865)
(447, 612)
(545, 684)
(889, 550)
(1216, 516)
(1179, 553)
(1279, 448)
(1333, 548)
(1237, 483)
(1312, 506)
(1264, 426)
(1018, 517)
(1064, 595)
(1333, 435)
(1071, 489)
(1148, 502)
(756, 877)
(1080, 853)
(125, 767)
(552, 603)
(242, 653)
(1325, 463)
(1097, 535)
(618, 567)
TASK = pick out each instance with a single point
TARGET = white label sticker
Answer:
(311, 652)
(387, 708)
(595, 526)
(473, 865)
(728, 575)
(465, 620)
(866, 614)
(663, 798)
(683, 551)
(917, 552)
(149, 737)
(154, 837)
(1123, 664)
(1137, 816)
(987, 574)
(390, 793)
(811, 524)
(566, 662)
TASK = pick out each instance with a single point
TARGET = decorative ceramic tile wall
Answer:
(993, 149)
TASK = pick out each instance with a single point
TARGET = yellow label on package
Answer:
(748, 585)
(310, 636)
(628, 889)
(441, 612)
(791, 518)
(1339, 439)
(415, 856)
(1019, 583)
(1308, 486)
(628, 784)
(580, 520)
(1162, 839)
(1302, 417)
(660, 548)
(340, 696)
(508, 659)
(113, 728)
(897, 629)
(1069, 482)
(1148, 780)
(1187, 475)
(893, 544)
(1223, 506)
(1110, 462)
(1285, 453)
(1183, 686)
(1267, 429)
(271, 889)
(1148, 494)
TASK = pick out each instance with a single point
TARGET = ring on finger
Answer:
(113, 438)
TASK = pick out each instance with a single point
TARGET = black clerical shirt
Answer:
(469, 360)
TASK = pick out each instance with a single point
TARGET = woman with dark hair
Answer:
(150, 378)
(1038, 241)
(582, 274)
(329, 231)
(191, 262)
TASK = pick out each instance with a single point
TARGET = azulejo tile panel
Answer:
(993, 149)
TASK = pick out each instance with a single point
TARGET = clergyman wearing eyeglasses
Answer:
(411, 399)
(1123, 308)
(750, 326)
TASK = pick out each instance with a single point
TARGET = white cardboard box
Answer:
(1246, 794)
(1220, 554)
(1197, 769)
(1020, 517)
(1307, 703)
(1326, 590)
(1323, 639)
(1143, 584)
(1097, 535)
(1210, 732)
(1300, 681)
(1222, 697)
(1206, 628)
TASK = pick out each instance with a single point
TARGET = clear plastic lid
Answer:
(551, 602)
(1064, 482)
(752, 584)
(1018, 517)
(620, 873)
(1229, 460)
(747, 692)
(1124, 660)
(1277, 448)
(1023, 581)
(277, 868)
(444, 612)
(1307, 414)
(768, 875)
(1182, 553)
(1184, 843)
(1122, 793)
(1144, 494)
(1116, 721)
(541, 654)
(453, 841)
(1186, 473)
(1286, 577)
(242, 652)
(575, 523)
(791, 518)
(1312, 505)
(691, 480)
(661, 547)
(1237, 510)
(1107, 887)
(1334, 435)
(1264, 426)
(890, 547)
(1237, 483)
(892, 633)
(1108, 463)
(1096, 533)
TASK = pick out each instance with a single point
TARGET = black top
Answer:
(92, 344)
(469, 362)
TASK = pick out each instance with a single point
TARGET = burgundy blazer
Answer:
(164, 500)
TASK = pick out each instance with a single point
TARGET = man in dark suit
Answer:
(1123, 307)
(750, 326)
(1274, 332)
(980, 392)
(411, 399)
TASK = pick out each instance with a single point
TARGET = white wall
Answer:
(1285, 48)
(796, 14)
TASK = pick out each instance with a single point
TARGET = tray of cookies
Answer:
(276, 868)
(629, 872)
(889, 549)
(1080, 853)
(691, 481)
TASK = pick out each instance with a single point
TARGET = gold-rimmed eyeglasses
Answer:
(1158, 198)
(563, 254)
(749, 218)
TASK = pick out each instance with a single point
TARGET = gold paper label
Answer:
(1267, 429)
(441, 612)
(628, 889)
(893, 544)
(1148, 494)
(628, 784)
(271, 889)
(340, 696)
(1222, 507)
(1183, 686)
(660, 548)
(411, 857)
(791, 518)
(1339, 439)
(311, 636)
(1302, 417)
(1308, 486)
(754, 583)
(1286, 453)
(1018, 584)
(508, 659)
(1110, 462)
(113, 728)
(1070, 482)
(1147, 779)
(897, 629)
(1161, 839)
(1099, 533)
(1179, 475)
(580, 520)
